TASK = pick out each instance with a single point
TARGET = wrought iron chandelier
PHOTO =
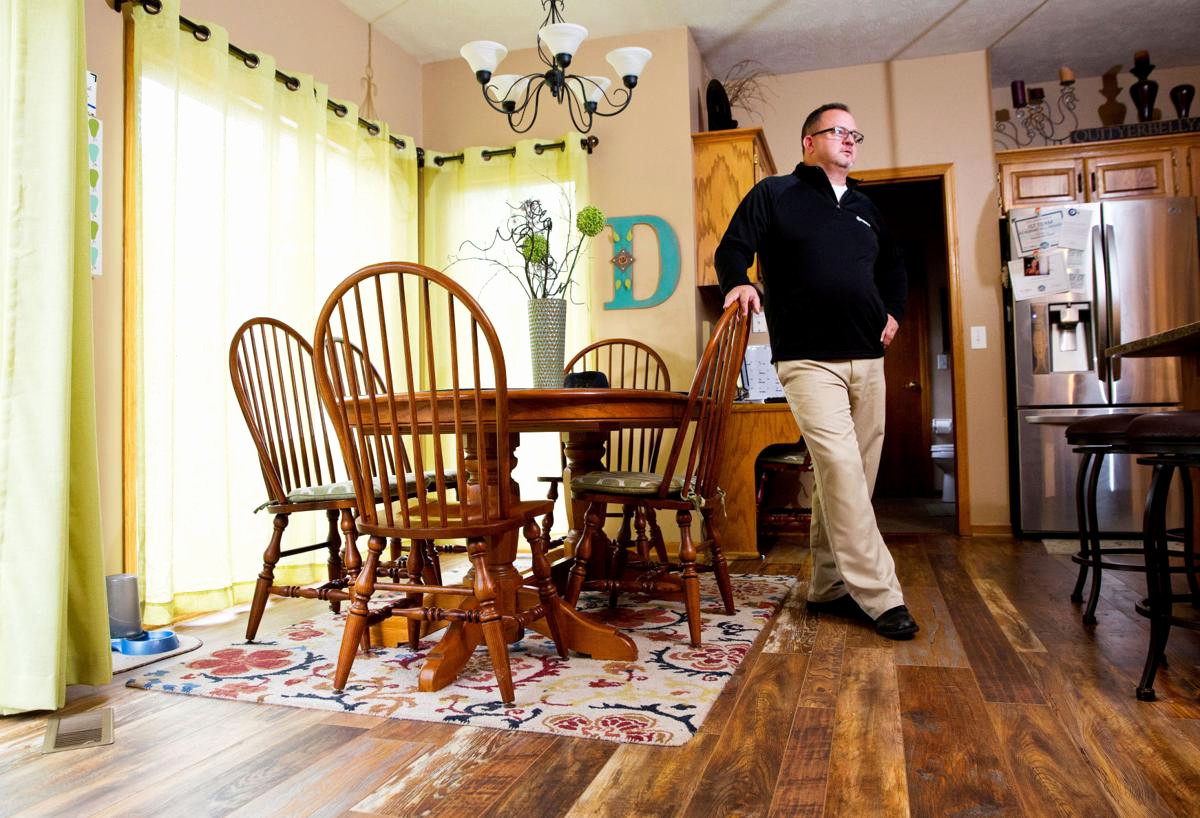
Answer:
(517, 97)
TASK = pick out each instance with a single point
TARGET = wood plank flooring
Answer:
(1004, 704)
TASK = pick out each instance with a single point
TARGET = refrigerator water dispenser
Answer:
(1070, 337)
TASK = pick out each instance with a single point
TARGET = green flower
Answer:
(590, 221)
(535, 248)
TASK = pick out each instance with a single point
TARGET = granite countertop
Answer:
(1183, 340)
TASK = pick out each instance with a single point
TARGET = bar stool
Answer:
(1094, 438)
(1168, 441)
(776, 461)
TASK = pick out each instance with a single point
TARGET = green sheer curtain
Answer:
(53, 615)
(466, 201)
(250, 199)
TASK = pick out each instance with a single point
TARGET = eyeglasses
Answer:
(841, 133)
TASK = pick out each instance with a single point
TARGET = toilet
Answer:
(943, 457)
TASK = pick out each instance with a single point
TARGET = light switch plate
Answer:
(758, 322)
(978, 337)
(943, 361)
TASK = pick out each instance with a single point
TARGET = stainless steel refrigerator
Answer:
(1133, 271)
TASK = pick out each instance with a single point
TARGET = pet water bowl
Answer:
(147, 642)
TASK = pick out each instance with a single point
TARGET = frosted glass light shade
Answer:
(483, 55)
(509, 87)
(500, 86)
(586, 92)
(562, 38)
(629, 61)
(517, 92)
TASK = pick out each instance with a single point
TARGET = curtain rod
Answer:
(251, 60)
(587, 143)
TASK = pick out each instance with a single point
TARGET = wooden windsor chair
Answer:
(270, 366)
(434, 349)
(271, 369)
(688, 483)
(626, 364)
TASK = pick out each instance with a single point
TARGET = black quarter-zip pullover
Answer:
(831, 272)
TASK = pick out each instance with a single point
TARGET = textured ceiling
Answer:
(1027, 39)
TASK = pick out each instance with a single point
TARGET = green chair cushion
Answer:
(634, 483)
(344, 489)
(341, 490)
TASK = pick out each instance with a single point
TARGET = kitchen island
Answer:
(1182, 342)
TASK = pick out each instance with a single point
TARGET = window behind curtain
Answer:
(249, 198)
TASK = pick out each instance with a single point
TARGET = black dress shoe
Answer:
(844, 606)
(896, 623)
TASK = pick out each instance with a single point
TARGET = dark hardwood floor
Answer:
(1004, 704)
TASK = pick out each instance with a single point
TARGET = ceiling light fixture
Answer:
(517, 97)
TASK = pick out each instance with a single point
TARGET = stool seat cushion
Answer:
(1102, 430)
(798, 459)
(1165, 428)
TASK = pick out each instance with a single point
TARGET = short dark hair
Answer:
(810, 122)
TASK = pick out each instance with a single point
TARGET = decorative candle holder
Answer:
(1034, 117)
(1181, 98)
(1145, 90)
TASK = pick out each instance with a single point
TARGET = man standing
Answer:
(834, 289)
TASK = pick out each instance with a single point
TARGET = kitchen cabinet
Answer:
(726, 164)
(1126, 175)
(1051, 181)
(1099, 171)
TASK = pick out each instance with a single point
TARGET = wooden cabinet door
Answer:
(1030, 184)
(724, 172)
(1129, 175)
(726, 165)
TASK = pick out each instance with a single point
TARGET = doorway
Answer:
(919, 485)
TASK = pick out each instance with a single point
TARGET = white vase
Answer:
(547, 331)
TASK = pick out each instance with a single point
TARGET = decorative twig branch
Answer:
(528, 231)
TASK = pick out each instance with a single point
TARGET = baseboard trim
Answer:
(980, 530)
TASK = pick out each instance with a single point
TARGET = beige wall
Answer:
(643, 165)
(918, 112)
(1087, 92)
(287, 29)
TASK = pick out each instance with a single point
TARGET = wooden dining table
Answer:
(586, 417)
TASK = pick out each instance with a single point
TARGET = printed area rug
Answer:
(660, 698)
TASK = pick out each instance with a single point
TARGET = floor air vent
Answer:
(91, 729)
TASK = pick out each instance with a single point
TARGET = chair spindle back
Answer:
(430, 345)
(628, 364)
(709, 402)
(271, 368)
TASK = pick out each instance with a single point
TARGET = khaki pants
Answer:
(839, 407)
